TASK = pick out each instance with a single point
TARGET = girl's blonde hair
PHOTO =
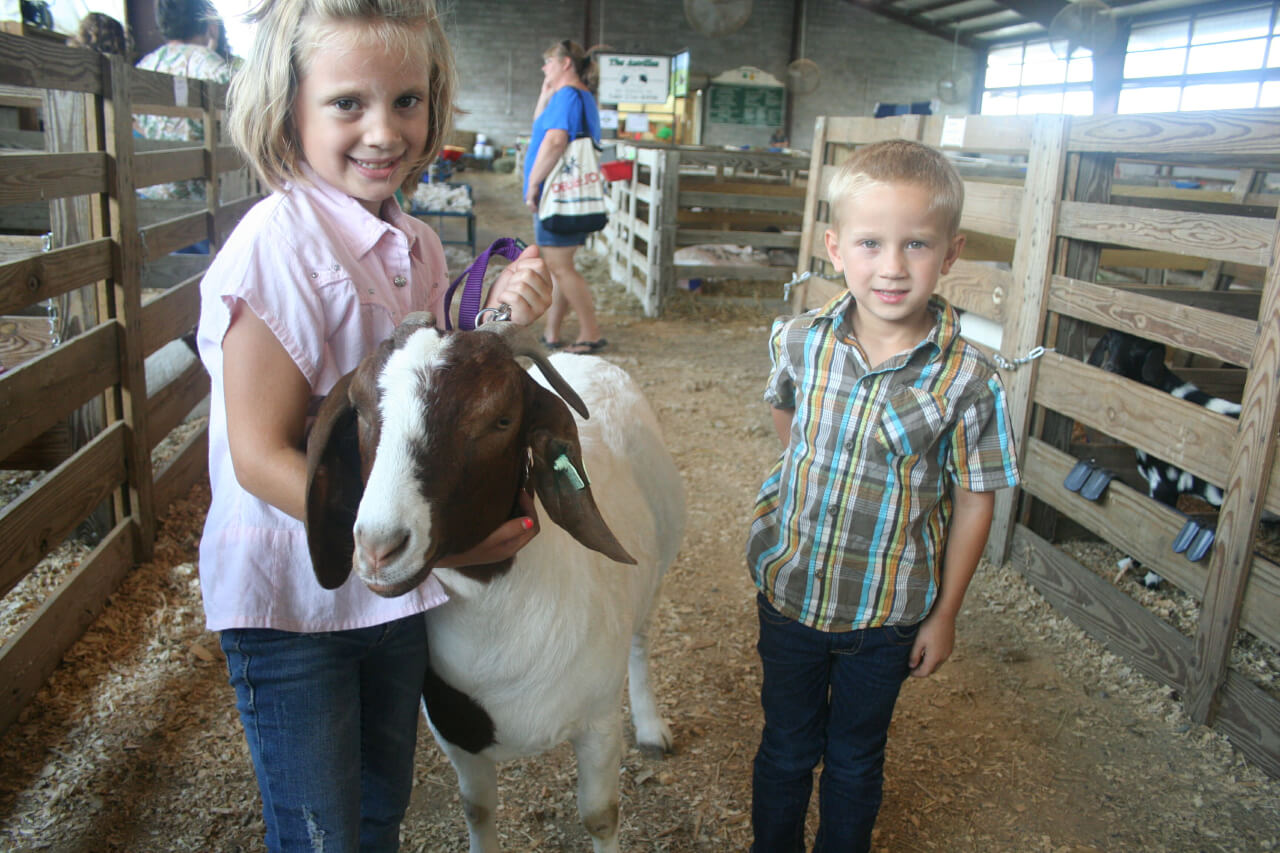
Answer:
(899, 161)
(261, 98)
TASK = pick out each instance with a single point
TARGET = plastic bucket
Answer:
(617, 170)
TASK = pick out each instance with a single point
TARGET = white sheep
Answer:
(532, 652)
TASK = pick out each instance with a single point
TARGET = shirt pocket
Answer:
(912, 421)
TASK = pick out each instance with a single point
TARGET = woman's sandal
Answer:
(551, 345)
(586, 347)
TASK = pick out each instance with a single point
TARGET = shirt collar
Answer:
(359, 229)
(945, 330)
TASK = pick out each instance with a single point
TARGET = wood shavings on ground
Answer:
(1031, 739)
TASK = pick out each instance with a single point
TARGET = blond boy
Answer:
(871, 524)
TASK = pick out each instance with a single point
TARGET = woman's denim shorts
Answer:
(543, 237)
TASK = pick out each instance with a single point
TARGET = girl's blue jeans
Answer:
(331, 720)
(827, 697)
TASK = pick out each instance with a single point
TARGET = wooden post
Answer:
(663, 224)
(70, 122)
(1032, 261)
(814, 195)
(629, 238)
(213, 186)
(1248, 479)
(1247, 181)
(124, 304)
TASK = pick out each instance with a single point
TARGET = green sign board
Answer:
(754, 106)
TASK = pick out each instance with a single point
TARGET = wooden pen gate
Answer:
(1088, 231)
(684, 196)
(119, 245)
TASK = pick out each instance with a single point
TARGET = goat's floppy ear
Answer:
(559, 478)
(334, 486)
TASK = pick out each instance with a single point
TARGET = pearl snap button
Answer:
(400, 281)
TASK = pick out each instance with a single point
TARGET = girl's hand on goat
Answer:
(502, 543)
(525, 285)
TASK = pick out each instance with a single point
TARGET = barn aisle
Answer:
(1030, 739)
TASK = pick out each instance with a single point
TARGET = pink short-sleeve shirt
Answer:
(331, 281)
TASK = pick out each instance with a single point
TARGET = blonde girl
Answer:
(339, 104)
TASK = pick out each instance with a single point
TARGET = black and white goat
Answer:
(444, 430)
(1144, 360)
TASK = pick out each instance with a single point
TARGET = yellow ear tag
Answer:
(565, 467)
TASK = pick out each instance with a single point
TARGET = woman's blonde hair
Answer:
(261, 98)
(899, 161)
(584, 61)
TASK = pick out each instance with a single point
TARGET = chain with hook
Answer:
(797, 278)
(51, 304)
(1005, 364)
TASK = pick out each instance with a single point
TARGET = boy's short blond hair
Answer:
(899, 161)
(261, 98)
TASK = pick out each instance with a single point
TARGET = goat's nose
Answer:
(376, 548)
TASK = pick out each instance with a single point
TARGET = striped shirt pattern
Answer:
(850, 525)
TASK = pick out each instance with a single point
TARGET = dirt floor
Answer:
(1032, 738)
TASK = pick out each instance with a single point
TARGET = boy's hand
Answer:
(934, 642)
(525, 285)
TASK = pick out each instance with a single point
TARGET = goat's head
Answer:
(421, 452)
(1130, 356)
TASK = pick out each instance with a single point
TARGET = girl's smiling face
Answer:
(362, 112)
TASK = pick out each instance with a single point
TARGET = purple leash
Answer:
(510, 248)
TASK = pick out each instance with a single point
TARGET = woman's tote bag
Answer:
(573, 194)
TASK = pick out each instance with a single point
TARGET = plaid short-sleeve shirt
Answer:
(850, 525)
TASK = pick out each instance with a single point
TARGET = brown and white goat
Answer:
(421, 452)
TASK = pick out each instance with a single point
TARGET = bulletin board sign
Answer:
(634, 79)
(752, 106)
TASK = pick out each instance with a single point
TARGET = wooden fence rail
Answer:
(1068, 237)
(100, 363)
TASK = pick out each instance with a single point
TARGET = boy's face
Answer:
(892, 250)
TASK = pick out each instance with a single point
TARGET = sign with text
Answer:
(632, 79)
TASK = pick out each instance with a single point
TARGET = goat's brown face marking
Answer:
(446, 422)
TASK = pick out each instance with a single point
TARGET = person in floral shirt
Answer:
(191, 27)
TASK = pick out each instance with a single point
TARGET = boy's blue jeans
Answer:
(826, 696)
(331, 720)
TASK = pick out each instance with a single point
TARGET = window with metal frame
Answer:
(1212, 59)
(1028, 77)
(1220, 56)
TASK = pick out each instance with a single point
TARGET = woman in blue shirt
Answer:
(566, 110)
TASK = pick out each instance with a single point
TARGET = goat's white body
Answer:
(544, 648)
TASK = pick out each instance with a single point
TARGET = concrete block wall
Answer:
(864, 58)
